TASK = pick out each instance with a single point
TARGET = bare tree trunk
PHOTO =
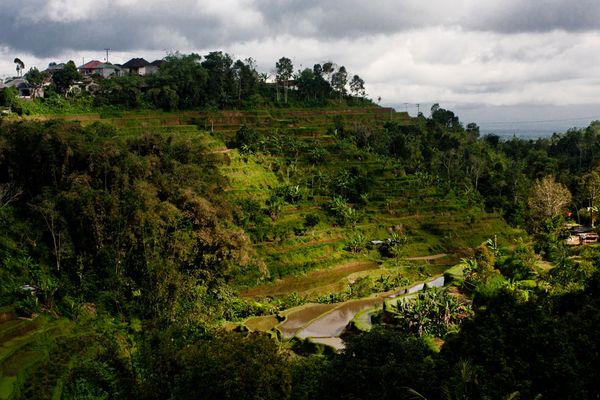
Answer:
(50, 223)
(8, 194)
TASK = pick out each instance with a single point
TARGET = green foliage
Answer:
(381, 364)
(35, 77)
(356, 243)
(365, 286)
(531, 354)
(306, 374)
(344, 214)
(247, 140)
(290, 193)
(125, 91)
(165, 98)
(433, 312)
(8, 98)
(311, 220)
(112, 217)
(393, 246)
(140, 227)
(184, 75)
(519, 264)
(63, 78)
(229, 366)
(101, 373)
(318, 154)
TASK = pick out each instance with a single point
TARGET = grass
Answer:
(433, 218)
(24, 343)
(261, 324)
(7, 386)
(313, 282)
(247, 178)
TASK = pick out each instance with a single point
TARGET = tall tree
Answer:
(591, 185)
(63, 78)
(357, 86)
(327, 69)
(35, 79)
(220, 86)
(284, 70)
(305, 82)
(444, 117)
(245, 78)
(339, 80)
(185, 74)
(20, 66)
(548, 198)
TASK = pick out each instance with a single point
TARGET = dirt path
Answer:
(222, 151)
(427, 258)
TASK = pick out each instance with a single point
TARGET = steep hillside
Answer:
(312, 198)
(285, 171)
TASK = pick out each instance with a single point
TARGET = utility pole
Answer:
(107, 49)
(418, 112)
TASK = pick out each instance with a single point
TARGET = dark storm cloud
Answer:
(45, 32)
(46, 27)
(535, 16)
(350, 18)
(341, 18)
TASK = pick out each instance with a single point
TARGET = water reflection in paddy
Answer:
(297, 319)
(332, 323)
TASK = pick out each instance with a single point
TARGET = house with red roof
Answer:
(89, 68)
(96, 67)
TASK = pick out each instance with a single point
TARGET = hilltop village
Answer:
(185, 81)
(30, 86)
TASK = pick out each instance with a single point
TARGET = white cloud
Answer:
(462, 52)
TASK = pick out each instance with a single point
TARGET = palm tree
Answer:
(20, 66)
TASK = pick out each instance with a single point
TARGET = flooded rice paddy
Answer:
(324, 323)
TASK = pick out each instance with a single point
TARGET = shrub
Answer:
(433, 312)
(311, 220)
(246, 139)
(343, 212)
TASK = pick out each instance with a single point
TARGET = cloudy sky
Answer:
(492, 61)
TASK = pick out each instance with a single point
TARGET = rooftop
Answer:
(91, 65)
(136, 63)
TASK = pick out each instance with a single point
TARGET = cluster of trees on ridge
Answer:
(140, 227)
(189, 81)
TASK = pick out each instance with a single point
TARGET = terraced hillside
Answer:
(330, 221)
(284, 184)
(430, 224)
(24, 346)
(40, 358)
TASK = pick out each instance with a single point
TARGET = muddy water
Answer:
(297, 319)
(332, 323)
